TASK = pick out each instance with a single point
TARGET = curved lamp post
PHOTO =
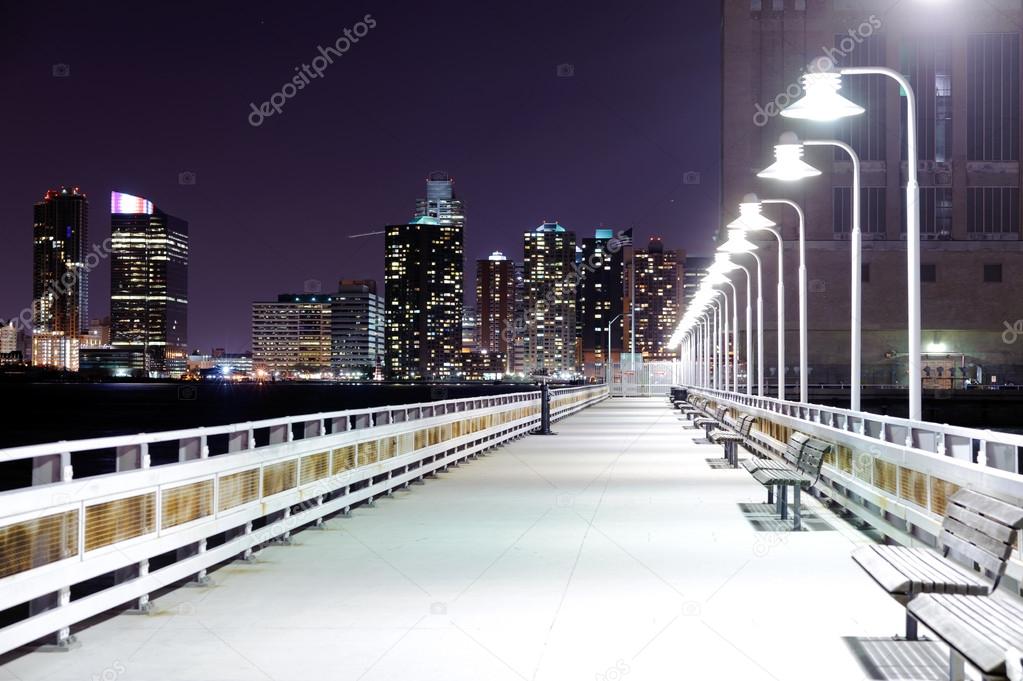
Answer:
(823, 103)
(785, 169)
(738, 244)
(724, 265)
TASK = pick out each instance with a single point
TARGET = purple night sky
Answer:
(468, 87)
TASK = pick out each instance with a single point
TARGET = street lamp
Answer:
(610, 375)
(785, 168)
(750, 219)
(738, 244)
(823, 103)
(724, 265)
(717, 278)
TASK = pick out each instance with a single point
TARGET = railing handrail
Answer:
(113, 441)
(985, 434)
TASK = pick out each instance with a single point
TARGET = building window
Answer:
(928, 273)
(927, 62)
(866, 134)
(993, 82)
(865, 273)
(993, 274)
(872, 210)
(992, 210)
(935, 211)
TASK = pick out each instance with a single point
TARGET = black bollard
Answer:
(545, 411)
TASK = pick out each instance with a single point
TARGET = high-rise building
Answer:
(601, 300)
(148, 281)
(60, 277)
(293, 335)
(423, 263)
(694, 269)
(9, 337)
(98, 334)
(495, 303)
(963, 62)
(550, 299)
(659, 298)
(357, 328)
(440, 201)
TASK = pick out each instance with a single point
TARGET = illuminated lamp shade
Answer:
(822, 101)
(749, 215)
(788, 165)
(737, 243)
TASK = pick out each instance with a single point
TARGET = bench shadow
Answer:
(719, 464)
(884, 659)
(764, 518)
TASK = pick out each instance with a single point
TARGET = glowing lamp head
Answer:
(821, 101)
(737, 243)
(788, 165)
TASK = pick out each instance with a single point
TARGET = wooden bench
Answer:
(768, 458)
(693, 407)
(732, 435)
(977, 530)
(708, 422)
(985, 631)
(803, 475)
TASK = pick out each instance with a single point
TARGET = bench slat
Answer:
(994, 509)
(997, 550)
(991, 528)
(982, 558)
(950, 618)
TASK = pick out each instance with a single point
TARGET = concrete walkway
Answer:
(613, 550)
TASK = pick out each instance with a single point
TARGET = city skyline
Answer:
(245, 189)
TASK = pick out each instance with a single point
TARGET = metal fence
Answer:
(643, 379)
(209, 508)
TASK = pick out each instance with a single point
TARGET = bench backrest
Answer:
(745, 425)
(720, 412)
(982, 529)
(794, 448)
(812, 458)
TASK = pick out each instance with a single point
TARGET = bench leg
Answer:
(796, 515)
(770, 494)
(911, 628)
(783, 502)
(956, 667)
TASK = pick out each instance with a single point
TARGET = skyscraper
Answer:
(495, 303)
(357, 328)
(60, 279)
(601, 299)
(658, 298)
(550, 295)
(440, 201)
(423, 263)
(693, 271)
(294, 334)
(148, 280)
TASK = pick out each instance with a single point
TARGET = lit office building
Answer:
(963, 61)
(694, 270)
(423, 264)
(357, 328)
(60, 276)
(658, 299)
(148, 282)
(54, 350)
(601, 300)
(440, 201)
(495, 302)
(293, 336)
(550, 299)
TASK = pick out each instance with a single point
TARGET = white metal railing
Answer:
(894, 473)
(211, 507)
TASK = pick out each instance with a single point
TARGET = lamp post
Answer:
(723, 265)
(785, 169)
(738, 244)
(610, 371)
(718, 278)
(823, 103)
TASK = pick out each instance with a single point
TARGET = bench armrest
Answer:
(1014, 664)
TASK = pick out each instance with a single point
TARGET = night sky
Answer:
(156, 89)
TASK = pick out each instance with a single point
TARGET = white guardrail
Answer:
(206, 509)
(893, 473)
